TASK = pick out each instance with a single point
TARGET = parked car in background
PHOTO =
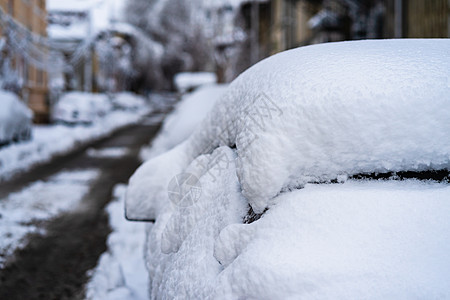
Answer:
(15, 119)
(102, 104)
(80, 107)
(128, 101)
(321, 173)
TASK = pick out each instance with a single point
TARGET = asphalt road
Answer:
(55, 265)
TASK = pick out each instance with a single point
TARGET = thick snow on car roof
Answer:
(321, 112)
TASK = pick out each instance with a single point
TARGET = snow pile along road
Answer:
(357, 240)
(185, 118)
(120, 273)
(49, 141)
(309, 115)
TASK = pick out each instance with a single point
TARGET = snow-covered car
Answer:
(73, 108)
(189, 81)
(15, 119)
(102, 104)
(80, 107)
(321, 173)
(128, 101)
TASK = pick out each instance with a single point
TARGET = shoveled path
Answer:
(55, 265)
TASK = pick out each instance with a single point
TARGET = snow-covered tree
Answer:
(180, 27)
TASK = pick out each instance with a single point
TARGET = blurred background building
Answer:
(143, 47)
(276, 25)
(24, 53)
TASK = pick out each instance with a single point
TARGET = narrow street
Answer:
(54, 265)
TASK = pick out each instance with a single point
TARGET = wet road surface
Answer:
(55, 265)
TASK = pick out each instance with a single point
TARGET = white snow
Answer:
(310, 115)
(371, 240)
(42, 200)
(315, 113)
(120, 273)
(103, 12)
(15, 117)
(128, 101)
(51, 140)
(181, 243)
(358, 240)
(112, 152)
(189, 80)
(187, 115)
(74, 31)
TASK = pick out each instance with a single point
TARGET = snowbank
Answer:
(49, 141)
(321, 112)
(309, 115)
(187, 115)
(120, 273)
(187, 80)
(21, 212)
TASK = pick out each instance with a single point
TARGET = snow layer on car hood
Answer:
(357, 240)
(316, 113)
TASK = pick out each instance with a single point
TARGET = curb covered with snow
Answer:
(184, 119)
(21, 210)
(120, 272)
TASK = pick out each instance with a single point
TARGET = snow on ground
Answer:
(189, 80)
(15, 117)
(113, 152)
(120, 273)
(187, 115)
(308, 115)
(21, 211)
(52, 140)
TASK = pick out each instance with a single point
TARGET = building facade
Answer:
(278, 25)
(23, 30)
